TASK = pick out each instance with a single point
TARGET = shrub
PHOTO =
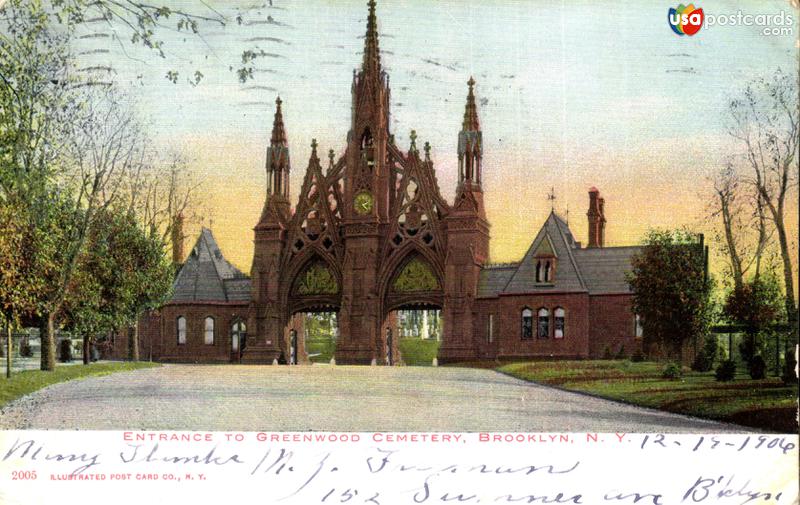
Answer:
(65, 350)
(789, 362)
(607, 353)
(726, 370)
(757, 368)
(672, 371)
(704, 361)
(621, 353)
(25, 349)
(638, 356)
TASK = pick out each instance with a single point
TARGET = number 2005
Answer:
(23, 475)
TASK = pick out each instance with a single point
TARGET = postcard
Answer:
(404, 251)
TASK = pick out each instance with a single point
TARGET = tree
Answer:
(671, 292)
(744, 236)
(122, 272)
(756, 305)
(18, 286)
(766, 120)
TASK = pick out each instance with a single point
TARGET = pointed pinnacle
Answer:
(471, 122)
(372, 55)
(413, 137)
(278, 130)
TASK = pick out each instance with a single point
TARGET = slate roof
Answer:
(206, 276)
(604, 268)
(596, 270)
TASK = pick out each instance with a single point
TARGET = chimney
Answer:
(177, 240)
(602, 222)
(597, 222)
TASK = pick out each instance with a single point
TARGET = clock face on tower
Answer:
(362, 203)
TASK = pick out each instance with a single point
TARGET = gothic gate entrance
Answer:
(371, 232)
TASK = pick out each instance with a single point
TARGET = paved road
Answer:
(321, 397)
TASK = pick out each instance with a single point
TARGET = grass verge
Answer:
(766, 404)
(418, 352)
(28, 381)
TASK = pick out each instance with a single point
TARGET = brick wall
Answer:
(611, 324)
(195, 350)
(508, 341)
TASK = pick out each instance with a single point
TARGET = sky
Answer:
(572, 94)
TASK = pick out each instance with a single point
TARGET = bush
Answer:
(757, 368)
(672, 371)
(65, 350)
(638, 356)
(621, 353)
(704, 361)
(25, 349)
(726, 370)
(607, 353)
(789, 362)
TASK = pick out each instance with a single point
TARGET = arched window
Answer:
(547, 271)
(538, 271)
(181, 330)
(238, 335)
(558, 326)
(544, 323)
(638, 327)
(527, 323)
(209, 331)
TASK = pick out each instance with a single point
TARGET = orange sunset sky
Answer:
(571, 95)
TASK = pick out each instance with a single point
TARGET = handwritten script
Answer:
(381, 468)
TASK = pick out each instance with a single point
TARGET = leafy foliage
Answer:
(671, 293)
(704, 361)
(65, 350)
(726, 370)
(789, 375)
(757, 368)
(122, 272)
(756, 304)
(672, 371)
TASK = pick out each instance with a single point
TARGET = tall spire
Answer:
(278, 130)
(372, 54)
(278, 165)
(471, 112)
(470, 140)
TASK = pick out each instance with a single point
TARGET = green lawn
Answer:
(766, 404)
(418, 352)
(320, 350)
(28, 381)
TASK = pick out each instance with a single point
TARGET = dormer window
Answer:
(545, 258)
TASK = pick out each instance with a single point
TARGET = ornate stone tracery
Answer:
(403, 246)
